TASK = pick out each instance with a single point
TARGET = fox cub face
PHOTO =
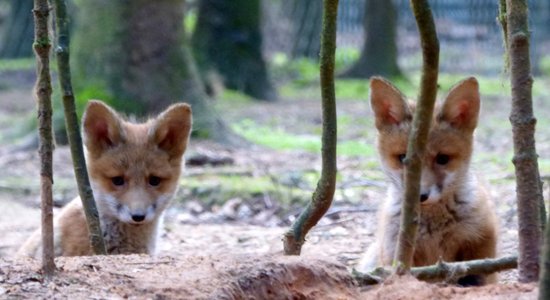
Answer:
(449, 145)
(134, 168)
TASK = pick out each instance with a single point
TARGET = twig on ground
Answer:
(443, 270)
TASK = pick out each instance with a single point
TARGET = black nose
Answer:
(138, 218)
(423, 197)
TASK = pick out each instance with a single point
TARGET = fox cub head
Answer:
(449, 145)
(134, 168)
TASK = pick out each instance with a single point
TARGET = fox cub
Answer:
(457, 222)
(134, 171)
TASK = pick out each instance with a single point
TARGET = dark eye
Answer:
(154, 180)
(401, 157)
(442, 159)
(117, 180)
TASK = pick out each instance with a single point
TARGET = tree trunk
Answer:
(228, 40)
(18, 30)
(418, 135)
(324, 192)
(306, 18)
(43, 90)
(528, 183)
(134, 53)
(379, 53)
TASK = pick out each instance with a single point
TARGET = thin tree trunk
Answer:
(322, 197)
(444, 270)
(528, 184)
(418, 136)
(43, 89)
(73, 131)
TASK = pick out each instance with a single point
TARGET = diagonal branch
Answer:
(322, 197)
(73, 132)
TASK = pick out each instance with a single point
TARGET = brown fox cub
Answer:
(457, 222)
(134, 171)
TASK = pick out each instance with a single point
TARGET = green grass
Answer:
(279, 139)
(17, 64)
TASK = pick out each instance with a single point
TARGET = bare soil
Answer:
(233, 249)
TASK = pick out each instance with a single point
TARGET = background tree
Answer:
(306, 17)
(228, 40)
(133, 54)
(17, 36)
(379, 52)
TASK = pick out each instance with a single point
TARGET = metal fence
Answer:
(469, 34)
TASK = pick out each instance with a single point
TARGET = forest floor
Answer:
(223, 231)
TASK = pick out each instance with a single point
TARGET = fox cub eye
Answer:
(401, 157)
(442, 159)
(154, 180)
(117, 180)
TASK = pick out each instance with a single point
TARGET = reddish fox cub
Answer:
(457, 222)
(134, 171)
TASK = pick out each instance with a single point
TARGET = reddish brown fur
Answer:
(135, 153)
(457, 221)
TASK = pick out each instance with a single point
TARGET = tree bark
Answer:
(444, 270)
(379, 53)
(528, 183)
(135, 54)
(322, 197)
(43, 90)
(228, 40)
(18, 30)
(418, 135)
(73, 130)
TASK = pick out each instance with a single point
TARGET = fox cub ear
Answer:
(172, 128)
(101, 127)
(388, 103)
(461, 107)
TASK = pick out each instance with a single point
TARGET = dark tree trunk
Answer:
(306, 17)
(379, 53)
(135, 51)
(17, 36)
(228, 40)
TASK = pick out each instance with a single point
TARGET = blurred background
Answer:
(250, 70)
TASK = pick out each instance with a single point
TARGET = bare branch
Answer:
(43, 90)
(528, 183)
(73, 131)
(418, 135)
(443, 270)
(322, 197)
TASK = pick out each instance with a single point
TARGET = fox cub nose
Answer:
(138, 218)
(423, 197)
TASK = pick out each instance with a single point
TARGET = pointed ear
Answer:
(388, 103)
(172, 128)
(461, 107)
(101, 127)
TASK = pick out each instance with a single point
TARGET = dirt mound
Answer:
(222, 276)
(195, 277)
